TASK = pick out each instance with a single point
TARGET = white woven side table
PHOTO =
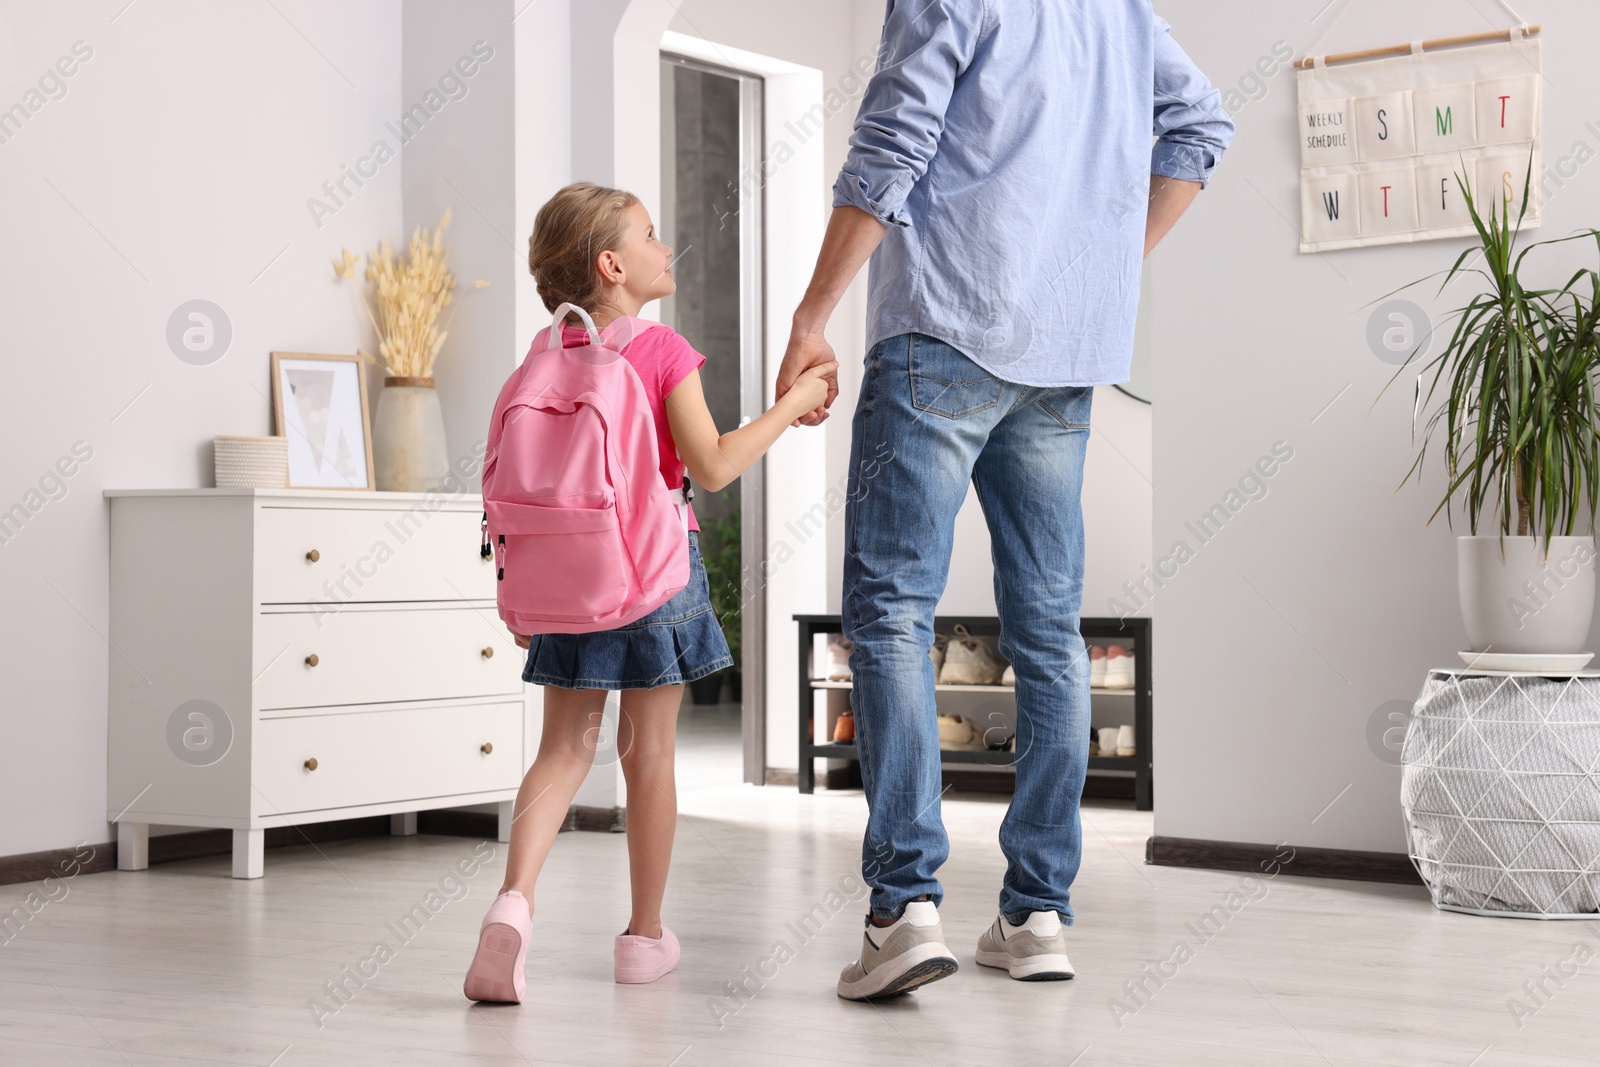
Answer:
(1501, 792)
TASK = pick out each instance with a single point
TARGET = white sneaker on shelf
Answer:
(1010, 677)
(1119, 668)
(936, 653)
(839, 648)
(968, 661)
(960, 732)
(1125, 743)
(1097, 667)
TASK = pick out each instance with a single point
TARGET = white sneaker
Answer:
(1010, 677)
(1119, 668)
(936, 653)
(839, 648)
(968, 661)
(1125, 743)
(1097, 667)
(1036, 951)
(899, 957)
(959, 732)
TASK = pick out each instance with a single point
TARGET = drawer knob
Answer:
(486, 748)
(311, 764)
(488, 653)
(311, 660)
(313, 556)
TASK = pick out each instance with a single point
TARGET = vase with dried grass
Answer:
(409, 453)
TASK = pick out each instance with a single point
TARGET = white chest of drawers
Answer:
(283, 656)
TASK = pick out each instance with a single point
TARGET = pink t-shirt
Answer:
(663, 359)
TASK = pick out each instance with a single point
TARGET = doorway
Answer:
(711, 212)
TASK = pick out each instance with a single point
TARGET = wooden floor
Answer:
(181, 964)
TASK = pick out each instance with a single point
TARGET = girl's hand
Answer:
(523, 641)
(814, 384)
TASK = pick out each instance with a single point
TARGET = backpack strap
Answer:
(560, 320)
(617, 335)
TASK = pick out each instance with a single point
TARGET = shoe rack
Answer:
(822, 702)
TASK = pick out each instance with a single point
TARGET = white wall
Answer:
(1329, 597)
(463, 160)
(176, 166)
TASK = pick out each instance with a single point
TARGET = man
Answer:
(1002, 179)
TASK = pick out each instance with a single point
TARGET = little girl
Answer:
(596, 248)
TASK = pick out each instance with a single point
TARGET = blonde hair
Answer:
(569, 233)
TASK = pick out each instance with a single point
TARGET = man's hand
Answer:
(852, 235)
(523, 641)
(807, 349)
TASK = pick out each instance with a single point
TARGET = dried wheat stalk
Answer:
(410, 291)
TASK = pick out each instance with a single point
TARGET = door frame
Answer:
(752, 397)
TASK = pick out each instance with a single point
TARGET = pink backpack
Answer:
(586, 534)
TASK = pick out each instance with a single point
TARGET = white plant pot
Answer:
(1524, 602)
(408, 446)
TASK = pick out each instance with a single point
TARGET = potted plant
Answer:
(1520, 440)
(720, 549)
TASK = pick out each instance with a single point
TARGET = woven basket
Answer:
(251, 462)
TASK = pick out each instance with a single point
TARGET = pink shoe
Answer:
(496, 971)
(641, 959)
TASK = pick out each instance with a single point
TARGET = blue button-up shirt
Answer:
(1007, 146)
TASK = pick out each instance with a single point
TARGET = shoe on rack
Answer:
(1009, 677)
(900, 957)
(968, 661)
(496, 971)
(995, 739)
(1119, 668)
(1125, 742)
(839, 649)
(959, 732)
(637, 959)
(1097, 667)
(936, 653)
(844, 728)
(1035, 951)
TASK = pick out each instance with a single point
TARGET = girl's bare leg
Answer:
(647, 738)
(572, 724)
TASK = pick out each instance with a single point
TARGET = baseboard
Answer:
(59, 863)
(487, 825)
(194, 844)
(1392, 867)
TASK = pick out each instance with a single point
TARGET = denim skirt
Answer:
(678, 642)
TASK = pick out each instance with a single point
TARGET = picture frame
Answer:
(319, 404)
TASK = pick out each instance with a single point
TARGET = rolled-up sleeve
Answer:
(927, 44)
(1192, 128)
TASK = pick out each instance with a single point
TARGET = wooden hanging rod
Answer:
(1405, 49)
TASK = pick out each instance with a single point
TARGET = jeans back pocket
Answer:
(945, 382)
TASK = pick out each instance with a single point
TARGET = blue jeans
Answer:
(928, 422)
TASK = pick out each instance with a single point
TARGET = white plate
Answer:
(1526, 661)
